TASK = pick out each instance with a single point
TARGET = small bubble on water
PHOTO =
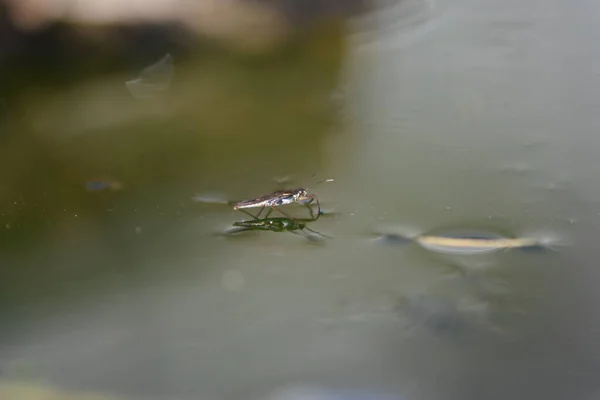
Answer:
(138, 229)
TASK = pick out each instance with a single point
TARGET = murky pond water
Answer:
(478, 116)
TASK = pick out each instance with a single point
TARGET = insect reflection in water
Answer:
(275, 225)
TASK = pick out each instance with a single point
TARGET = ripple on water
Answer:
(446, 316)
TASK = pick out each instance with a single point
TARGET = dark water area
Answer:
(463, 116)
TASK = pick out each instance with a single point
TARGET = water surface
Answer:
(471, 115)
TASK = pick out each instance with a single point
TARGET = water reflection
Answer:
(278, 225)
(445, 316)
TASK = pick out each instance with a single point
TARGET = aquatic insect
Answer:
(277, 199)
(275, 225)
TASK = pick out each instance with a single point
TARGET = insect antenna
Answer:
(315, 197)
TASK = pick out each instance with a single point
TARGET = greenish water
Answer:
(481, 116)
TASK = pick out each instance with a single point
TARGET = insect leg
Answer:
(312, 213)
(284, 213)
(318, 233)
(250, 214)
(310, 210)
(269, 212)
(260, 211)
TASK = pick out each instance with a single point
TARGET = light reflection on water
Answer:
(135, 292)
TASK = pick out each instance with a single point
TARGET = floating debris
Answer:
(461, 242)
(102, 185)
(474, 244)
(153, 79)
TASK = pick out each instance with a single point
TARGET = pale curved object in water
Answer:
(153, 79)
(465, 245)
(464, 242)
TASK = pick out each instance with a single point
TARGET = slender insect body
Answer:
(277, 199)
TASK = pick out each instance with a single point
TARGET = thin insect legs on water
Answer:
(277, 199)
(273, 201)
